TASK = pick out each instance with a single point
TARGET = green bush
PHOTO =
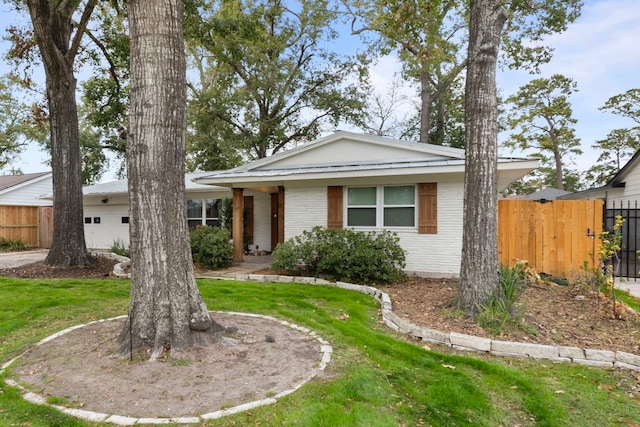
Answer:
(210, 247)
(9, 245)
(344, 255)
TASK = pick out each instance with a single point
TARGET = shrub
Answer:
(345, 255)
(9, 245)
(210, 247)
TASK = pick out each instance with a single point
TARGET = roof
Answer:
(548, 193)
(7, 182)
(121, 186)
(347, 155)
(618, 180)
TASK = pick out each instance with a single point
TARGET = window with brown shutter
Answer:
(428, 208)
(334, 207)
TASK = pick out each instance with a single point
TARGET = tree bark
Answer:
(53, 28)
(167, 312)
(425, 107)
(479, 271)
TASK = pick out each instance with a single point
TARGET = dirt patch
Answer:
(263, 358)
(551, 314)
(99, 267)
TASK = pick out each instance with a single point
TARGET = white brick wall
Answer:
(432, 254)
(304, 208)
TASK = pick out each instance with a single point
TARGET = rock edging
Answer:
(325, 350)
(457, 341)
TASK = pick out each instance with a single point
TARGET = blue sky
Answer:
(601, 52)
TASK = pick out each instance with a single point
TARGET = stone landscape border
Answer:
(457, 341)
(325, 350)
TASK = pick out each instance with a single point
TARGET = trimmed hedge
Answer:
(344, 255)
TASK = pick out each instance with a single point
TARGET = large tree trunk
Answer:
(53, 27)
(479, 271)
(167, 311)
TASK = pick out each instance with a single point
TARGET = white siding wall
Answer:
(428, 254)
(27, 195)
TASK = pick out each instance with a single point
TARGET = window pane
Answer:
(212, 208)
(399, 217)
(404, 195)
(361, 196)
(361, 217)
(194, 208)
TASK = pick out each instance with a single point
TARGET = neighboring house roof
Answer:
(120, 187)
(617, 181)
(12, 182)
(347, 155)
(546, 194)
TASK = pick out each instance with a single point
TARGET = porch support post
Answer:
(238, 225)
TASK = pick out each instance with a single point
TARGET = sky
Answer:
(600, 52)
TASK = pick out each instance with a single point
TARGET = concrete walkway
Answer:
(630, 285)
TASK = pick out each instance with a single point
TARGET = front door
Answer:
(277, 218)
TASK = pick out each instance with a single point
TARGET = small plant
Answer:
(609, 252)
(502, 312)
(211, 247)
(345, 255)
(181, 362)
(9, 245)
(119, 248)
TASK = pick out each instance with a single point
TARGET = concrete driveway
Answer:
(16, 259)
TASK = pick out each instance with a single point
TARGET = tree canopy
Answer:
(542, 119)
(266, 79)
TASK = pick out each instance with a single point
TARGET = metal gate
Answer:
(630, 212)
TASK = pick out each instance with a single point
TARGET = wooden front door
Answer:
(277, 218)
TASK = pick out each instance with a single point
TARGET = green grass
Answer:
(628, 299)
(375, 378)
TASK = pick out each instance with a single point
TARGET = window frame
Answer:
(203, 219)
(380, 207)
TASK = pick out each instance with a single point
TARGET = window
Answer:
(381, 206)
(125, 220)
(87, 220)
(203, 212)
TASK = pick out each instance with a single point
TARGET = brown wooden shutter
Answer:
(334, 207)
(428, 208)
(248, 220)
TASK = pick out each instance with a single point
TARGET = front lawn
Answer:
(375, 378)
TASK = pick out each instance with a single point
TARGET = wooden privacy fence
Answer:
(556, 237)
(32, 225)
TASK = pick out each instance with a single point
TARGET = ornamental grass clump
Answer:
(344, 255)
(502, 312)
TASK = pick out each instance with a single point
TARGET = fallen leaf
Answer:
(449, 366)
(606, 387)
(559, 391)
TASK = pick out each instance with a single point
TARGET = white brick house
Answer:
(367, 183)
